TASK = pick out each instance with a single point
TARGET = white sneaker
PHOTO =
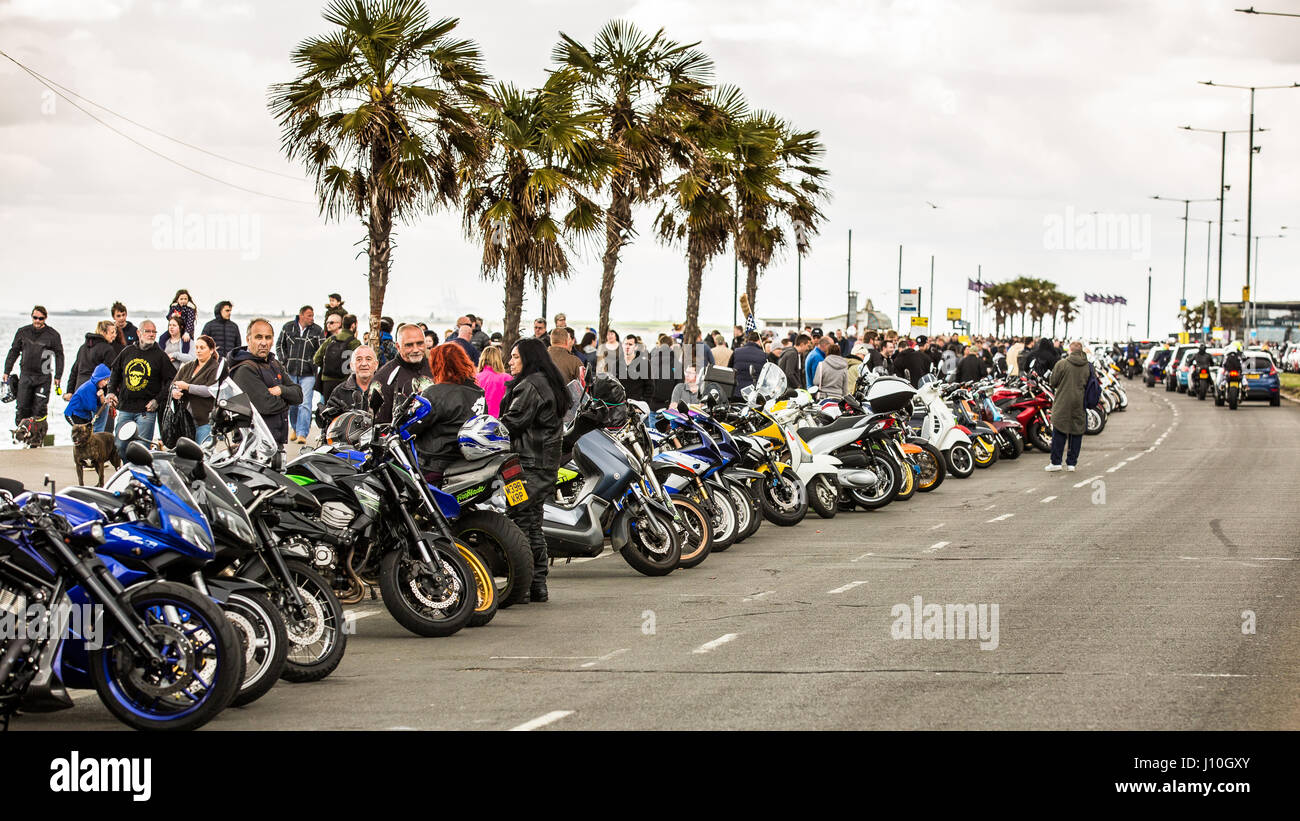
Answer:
(1052, 468)
(1070, 468)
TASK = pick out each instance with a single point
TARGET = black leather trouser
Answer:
(540, 486)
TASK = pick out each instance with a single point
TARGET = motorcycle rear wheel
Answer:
(1013, 445)
(984, 452)
(886, 487)
(933, 469)
(484, 585)
(503, 547)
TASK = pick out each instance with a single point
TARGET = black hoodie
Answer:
(224, 332)
(255, 376)
(140, 375)
(96, 351)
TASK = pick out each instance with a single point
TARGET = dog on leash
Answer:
(31, 432)
(93, 450)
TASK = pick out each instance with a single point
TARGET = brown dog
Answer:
(92, 450)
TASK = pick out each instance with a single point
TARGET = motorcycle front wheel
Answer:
(723, 517)
(265, 641)
(961, 460)
(653, 547)
(786, 503)
(933, 470)
(317, 639)
(694, 531)
(824, 495)
(418, 600)
(885, 488)
(1096, 418)
(204, 662)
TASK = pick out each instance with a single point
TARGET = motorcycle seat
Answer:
(843, 423)
(96, 497)
(460, 468)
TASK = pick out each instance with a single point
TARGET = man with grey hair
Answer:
(139, 384)
(1069, 379)
(407, 374)
(353, 393)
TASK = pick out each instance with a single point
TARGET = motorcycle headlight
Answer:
(237, 525)
(191, 532)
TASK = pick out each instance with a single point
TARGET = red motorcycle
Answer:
(1030, 402)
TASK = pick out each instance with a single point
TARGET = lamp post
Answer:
(1250, 158)
(1223, 188)
(1186, 205)
(1209, 238)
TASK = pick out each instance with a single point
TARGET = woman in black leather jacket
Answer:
(455, 397)
(532, 410)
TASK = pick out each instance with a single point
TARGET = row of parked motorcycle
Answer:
(217, 572)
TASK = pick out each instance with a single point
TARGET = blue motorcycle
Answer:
(159, 654)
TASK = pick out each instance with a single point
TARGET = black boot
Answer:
(538, 593)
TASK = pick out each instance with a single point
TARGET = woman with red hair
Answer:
(455, 397)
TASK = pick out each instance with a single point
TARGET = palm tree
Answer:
(698, 209)
(1069, 312)
(1001, 299)
(528, 198)
(383, 114)
(640, 87)
(776, 182)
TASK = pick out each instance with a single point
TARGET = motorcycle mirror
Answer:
(376, 401)
(138, 454)
(127, 431)
(186, 448)
(683, 409)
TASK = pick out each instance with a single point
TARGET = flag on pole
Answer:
(972, 285)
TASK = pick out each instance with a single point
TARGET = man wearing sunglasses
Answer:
(41, 350)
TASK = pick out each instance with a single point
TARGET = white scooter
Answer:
(933, 419)
(822, 473)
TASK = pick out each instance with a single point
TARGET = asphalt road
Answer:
(1120, 590)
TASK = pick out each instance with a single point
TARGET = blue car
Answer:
(1261, 380)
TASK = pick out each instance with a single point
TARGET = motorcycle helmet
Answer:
(483, 436)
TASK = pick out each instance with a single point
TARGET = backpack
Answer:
(332, 363)
(1092, 392)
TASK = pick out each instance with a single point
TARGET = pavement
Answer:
(1154, 588)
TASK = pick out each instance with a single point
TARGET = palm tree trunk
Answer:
(694, 281)
(751, 288)
(617, 220)
(514, 301)
(380, 248)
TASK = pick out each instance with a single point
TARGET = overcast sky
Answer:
(1011, 117)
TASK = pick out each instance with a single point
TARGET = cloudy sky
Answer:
(1019, 119)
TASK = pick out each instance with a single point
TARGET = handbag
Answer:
(176, 422)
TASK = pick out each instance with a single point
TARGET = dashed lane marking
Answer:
(1000, 518)
(710, 646)
(845, 588)
(541, 721)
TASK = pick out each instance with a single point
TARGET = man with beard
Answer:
(41, 349)
(407, 374)
(142, 375)
(257, 373)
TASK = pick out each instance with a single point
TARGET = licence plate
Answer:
(515, 493)
(1252, 376)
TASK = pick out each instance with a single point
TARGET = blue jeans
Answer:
(300, 415)
(1059, 440)
(144, 428)
(202, 433)
(101, 421)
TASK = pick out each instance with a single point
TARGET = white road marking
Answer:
(76, 694)
(937, 546)
(541, 721)
(865, 555)
(845, 588)
(1000, 518)
(606, 657)
(936, 527)
(709, 646)
(1117, 467)
(1031, 490)
(1086, 481)
(990, 507)
(758, 596)
(354, 615)
(1045, 501)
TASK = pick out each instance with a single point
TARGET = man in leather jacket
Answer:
(353, 393)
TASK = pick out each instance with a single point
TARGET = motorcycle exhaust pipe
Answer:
(856, 477)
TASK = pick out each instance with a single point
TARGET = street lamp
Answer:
(1223, 187)
(1209, 231)
(1250, 157)
(1186, 204)
(1251, 10)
